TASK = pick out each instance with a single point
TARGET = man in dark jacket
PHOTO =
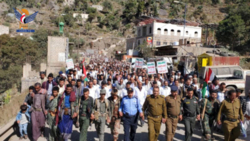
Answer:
(29, 98)
(49, 84)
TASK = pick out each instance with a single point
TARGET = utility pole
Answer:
(184, 24)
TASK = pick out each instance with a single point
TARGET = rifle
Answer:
(77, 119)
(202, 116)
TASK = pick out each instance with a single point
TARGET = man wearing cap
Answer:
(101, 114)
(103, 86)
(114, 104)
(155, 106)
(191, 111)
(232, 111)
(57, 79)
(173, 104)
(124, 91)
(129, 109)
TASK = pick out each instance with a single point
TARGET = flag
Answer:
(83, 68)
(209, 77)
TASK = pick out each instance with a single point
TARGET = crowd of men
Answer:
(115, 94)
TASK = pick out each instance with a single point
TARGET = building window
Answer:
(196, 34)
(144, 31)
(165, 31)
(158, 43)
(150, 30)
(139, 32)
(158, 31)
(165, 43)
(139, 42)
(178, 32)
(172, 32)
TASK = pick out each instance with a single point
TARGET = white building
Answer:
(68, 2)
(83, 16)
(98, 7)
(156, 34)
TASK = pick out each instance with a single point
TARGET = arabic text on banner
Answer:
(70, 64)
(138, 63)
(162, 67)
(151, 68)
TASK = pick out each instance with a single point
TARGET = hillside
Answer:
(115, 20)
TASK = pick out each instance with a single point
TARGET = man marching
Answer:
(173, 104)
(85, 113)
(156, 108)
(101, 114)
(191, 111)
(114, 104)
(130, 106)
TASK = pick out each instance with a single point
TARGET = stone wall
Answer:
(30, 77)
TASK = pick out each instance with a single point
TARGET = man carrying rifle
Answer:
(209, 109)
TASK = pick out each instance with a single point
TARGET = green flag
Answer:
(204, 89)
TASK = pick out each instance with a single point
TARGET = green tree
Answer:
(130, 10)
(14, 52)
(231, 30)
(107, 6)
(41, 37)
(141, 7)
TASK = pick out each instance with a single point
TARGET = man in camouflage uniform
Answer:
(114, 104)
(211, 110)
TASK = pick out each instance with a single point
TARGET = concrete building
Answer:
(156, 33)
(83, 16)
(4, 30)
(68, 2)
(98, 7)
(57, 53)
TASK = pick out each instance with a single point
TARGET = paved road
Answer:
(142, 134)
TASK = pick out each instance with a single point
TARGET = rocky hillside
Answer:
(111, 20)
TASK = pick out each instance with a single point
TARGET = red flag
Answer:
(83, 69)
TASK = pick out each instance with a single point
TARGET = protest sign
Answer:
(151, 68)
(70, 64)
(138, 63)
(162, 67)
(106, 59)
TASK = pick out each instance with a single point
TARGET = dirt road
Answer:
(142, 134)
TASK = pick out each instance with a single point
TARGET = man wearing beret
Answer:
(173, 104)
(190, 107)
(156, 108)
